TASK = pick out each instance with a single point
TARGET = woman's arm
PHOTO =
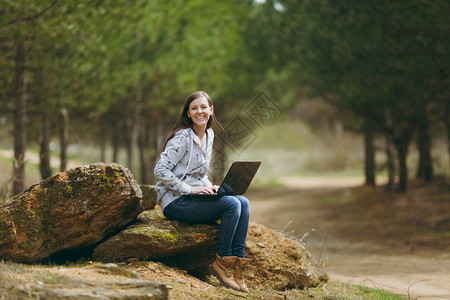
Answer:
(170, 157)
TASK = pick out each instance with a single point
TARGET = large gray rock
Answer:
(189, 247)
(100, 281)
(70, 210)
(277, 261)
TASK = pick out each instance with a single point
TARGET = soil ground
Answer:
(364, 235)
(360, 235)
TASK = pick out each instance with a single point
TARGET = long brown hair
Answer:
(184, 121)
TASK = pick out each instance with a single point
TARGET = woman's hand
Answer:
(204, 190)
(215, 188)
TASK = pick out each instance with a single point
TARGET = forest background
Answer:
(309, 87)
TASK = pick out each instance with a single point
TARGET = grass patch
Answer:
(32, 173)
(337, 290)
(267, 183)
(332, 290)
(375, 294)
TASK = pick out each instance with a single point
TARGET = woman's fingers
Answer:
(205, 190)
(208, 190)
(201, 190)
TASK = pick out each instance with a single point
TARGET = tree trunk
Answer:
(402, 152)
(135, 124)
(127, 132)
(102, 140)
(63, 138)
(220, 162)
(155, 130)
(370, 155)
(143, 157)
(402, 144)
(425, 168)
(447, 125)
(390, 163)
(19, 118)
(44, 155)
(115, 141)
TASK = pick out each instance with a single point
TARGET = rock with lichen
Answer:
(277, 260)
(70, 210)
(186, 246)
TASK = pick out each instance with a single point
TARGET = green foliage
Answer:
(379, 62)
(94, 57)
(369, 53)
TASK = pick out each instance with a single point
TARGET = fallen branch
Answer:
(276, 240)
(409, 296)
(323, 244)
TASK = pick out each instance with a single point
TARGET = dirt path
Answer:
(392, 265)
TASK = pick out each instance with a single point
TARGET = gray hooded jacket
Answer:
(182, 165)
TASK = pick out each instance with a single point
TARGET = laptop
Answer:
(237, 180)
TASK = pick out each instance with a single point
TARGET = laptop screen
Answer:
(239, 176)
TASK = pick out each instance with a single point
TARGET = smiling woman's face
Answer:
(200, 111)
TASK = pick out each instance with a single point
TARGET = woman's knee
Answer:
(245, 204)
(233, 203)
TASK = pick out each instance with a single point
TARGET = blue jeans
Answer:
(233, 212)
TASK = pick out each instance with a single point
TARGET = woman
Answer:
(182, 172)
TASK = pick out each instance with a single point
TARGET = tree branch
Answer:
(36, 15)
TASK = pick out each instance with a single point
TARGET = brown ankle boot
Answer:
(239, 267)
(222, 268)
